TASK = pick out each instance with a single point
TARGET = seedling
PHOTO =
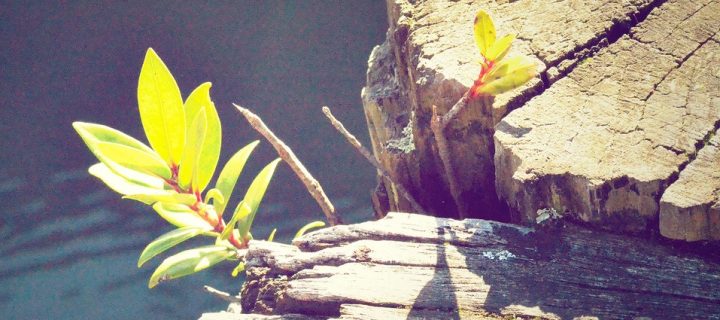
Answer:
(171, 174)
(497, 75)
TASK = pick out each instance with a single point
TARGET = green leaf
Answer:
(118, 183)
(241, 212)
(500, 48)
(92, 134)
(166, 196)
(254, 195)
(240, 268)
(188, 262)
(134, 159)
(167, 241)
(135, 177)
(188, 164)
(308, 227)
(484, 30)
(135, 191)
(208, 156)
(216, 196)
(230, 173)
(510, 74)
(271, 237)
(161, 108)
(180, 215)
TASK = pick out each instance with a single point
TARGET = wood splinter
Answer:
(285, 153)
(369, 157)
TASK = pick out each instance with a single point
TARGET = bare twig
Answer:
(438, 124)
(222, 294)
(365, 153)
(455, 110)
(288, 156)
(438, 127)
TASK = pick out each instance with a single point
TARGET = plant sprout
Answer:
(498, 75)
(173, 172)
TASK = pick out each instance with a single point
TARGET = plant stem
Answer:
(438, 124)
(220, 227)
(288, 155)
(197, 208)
(365, 153)
(438, 127)
(455, 110)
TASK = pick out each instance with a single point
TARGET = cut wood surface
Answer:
(689, 208)
(409, 266)
(607, 140)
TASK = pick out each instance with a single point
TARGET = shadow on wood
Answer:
(408, 266)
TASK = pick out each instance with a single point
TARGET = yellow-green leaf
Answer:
(230, 173)
(134, 159)
(92, 134)
(161, 108)
(167, 241)
(194, 144)
(502, 68)
(120, 184)
(180, 215)
(308, 227)
(208, 156)
(271, 237)
(216, 196)
(240, 268)
(165, 196)
(254, 195)
(511, 74)
(484, 30)
(188, 262)
(500, 48)
(241, 212)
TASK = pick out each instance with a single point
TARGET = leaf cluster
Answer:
(171, 174)
(498, 74)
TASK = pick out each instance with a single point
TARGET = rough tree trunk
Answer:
(409, 266)
(627, 98)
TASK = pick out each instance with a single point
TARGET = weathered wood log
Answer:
(408, 266)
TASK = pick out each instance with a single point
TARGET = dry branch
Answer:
(455, 109)
(438, 128)
(365, 153)
(312, 185)
(221, 294)
(438, 124)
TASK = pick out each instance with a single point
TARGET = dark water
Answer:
(69, 245)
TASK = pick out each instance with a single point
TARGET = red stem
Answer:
(219, 225)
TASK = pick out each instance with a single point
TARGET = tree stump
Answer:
(408, 266)
(627, 97)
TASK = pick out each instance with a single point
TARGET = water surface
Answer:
(69, 244)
